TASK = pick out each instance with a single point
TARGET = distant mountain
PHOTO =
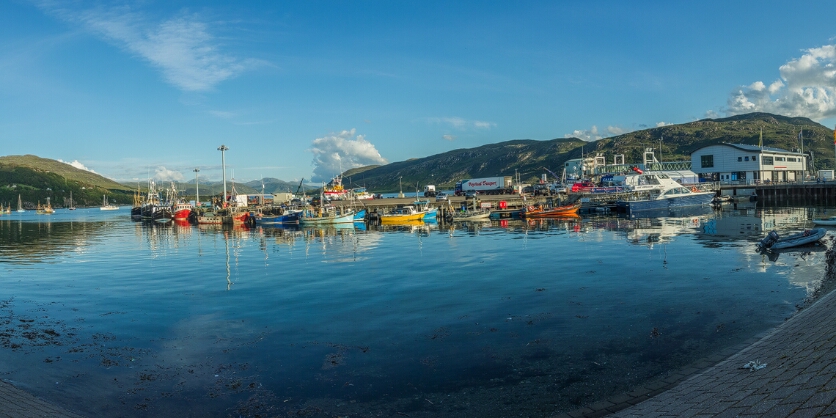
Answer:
(35, 179)
(529, 158)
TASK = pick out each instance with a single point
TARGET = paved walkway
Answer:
(16, 403)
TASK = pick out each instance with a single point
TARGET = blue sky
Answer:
(301, 89)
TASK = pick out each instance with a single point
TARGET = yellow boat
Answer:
(405, 214)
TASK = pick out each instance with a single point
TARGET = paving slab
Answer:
(17, 403)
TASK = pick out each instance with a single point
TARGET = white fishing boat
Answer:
(20, 204)
(666, 193)
(471, 215)
(106, 205)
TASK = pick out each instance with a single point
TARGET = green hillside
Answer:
(529, 157)
(35, 179)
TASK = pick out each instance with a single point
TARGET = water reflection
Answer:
(34, 242)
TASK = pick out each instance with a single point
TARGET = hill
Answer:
(529, 157)
(35, 179)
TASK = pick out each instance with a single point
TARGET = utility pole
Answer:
(196, 189)
(222, 149)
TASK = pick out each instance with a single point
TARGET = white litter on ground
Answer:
(754, 365)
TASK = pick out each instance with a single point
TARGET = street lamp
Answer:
(197, 188)
(223, 148)
(400, 186)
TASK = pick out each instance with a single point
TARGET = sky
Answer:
(305, 90)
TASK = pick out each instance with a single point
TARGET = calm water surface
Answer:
(112, 317)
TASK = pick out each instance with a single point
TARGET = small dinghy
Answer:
(831, 221)
(773, 242)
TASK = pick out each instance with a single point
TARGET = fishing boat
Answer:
(334, 189)
(20, 204)
(430, 214)
(539, 212)
(360, 215)
(360, 193)
(402, 214)
(471, 215)
(285, 217)
(831, 221)
(667, 193)
(774, 242)
(325, 216)
(106, 205)
(182, 211)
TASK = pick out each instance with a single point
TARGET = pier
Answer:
(776, 193)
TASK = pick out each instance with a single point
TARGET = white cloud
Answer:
(588, 135)
(449, 137)
(78, 165)
(182, 48)
(710, 114)
(661, 124)
(336, 153)
(462, 124)
(617, 130)
(807, 87)
(163, 174)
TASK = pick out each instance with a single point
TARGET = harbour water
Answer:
(111, 317)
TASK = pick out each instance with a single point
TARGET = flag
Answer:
(799, 134)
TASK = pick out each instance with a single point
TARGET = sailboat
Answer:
(45, 209)
(72, 206)
(106, 205)
(20, 205)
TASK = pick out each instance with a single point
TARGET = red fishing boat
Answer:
(182, 211)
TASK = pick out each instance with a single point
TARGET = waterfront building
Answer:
(748, 164)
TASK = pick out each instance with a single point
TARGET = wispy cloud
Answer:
(587, 135)
(181, 47)
(222, 114)
(448, 137)
(336, 153)
(807, 87)
(462, 124)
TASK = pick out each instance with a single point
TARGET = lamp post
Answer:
(400, 186)
(196, 188)
(223, 148)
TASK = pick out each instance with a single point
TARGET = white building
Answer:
(747, 164)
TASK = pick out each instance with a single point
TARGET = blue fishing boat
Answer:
(290, 217)
(360, 215)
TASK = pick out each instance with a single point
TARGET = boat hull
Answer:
(825, 222)
(326, 220)
(182, 215)
(557, 212)
(285, 219)
(692, 199)
(394, 219)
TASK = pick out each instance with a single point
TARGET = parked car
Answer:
(440, 196)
